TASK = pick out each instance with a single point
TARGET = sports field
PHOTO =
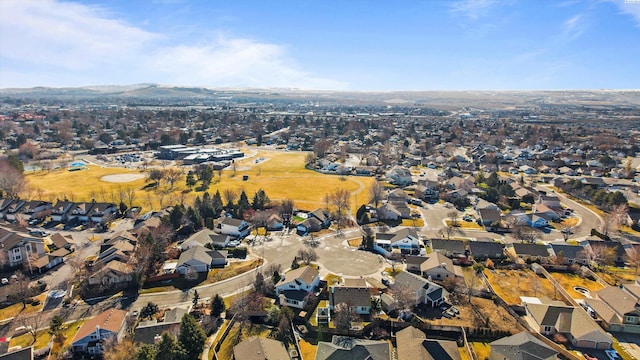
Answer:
(280, 174)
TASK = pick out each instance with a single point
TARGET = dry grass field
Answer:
(280, 174)
(569, 281)
(511, 284)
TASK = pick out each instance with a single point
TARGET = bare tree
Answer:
(130, 196)
(526, 233)
(20, 288)
(453, 217)
(376, 193)
(344, 315)
(633, 257)
(307, 255)
(395, 258)
(321, 147)
(12, 182)
(340, 200)
(31, 322)
(172, 175)
(230, 195)
(405, 298)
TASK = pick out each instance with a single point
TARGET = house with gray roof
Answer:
(528, 251)
(449, 248)
(348, 348)
(618, 308)
(294, 286)
(570, 253)
(521, 346)
(573, 323)
(206, 237)
(353, 292)
(425, 291)
(436, 266)
(406, 240)
(259, 348)
(200, 259)
(486, 249)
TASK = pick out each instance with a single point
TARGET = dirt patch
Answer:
(122, 178)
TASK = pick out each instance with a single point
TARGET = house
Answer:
(200, 259)
(309, 225)
(95, 333)
(49, 260)
(342, 347)
(120, 247)
(569, 254)
(234, 227)
(393, 211)
(521, 346)
(17, 249)
(275, 223)
(425, 291)
(489, 216)
(618, 308)
(436, 266)
(399, 176)
(532, 220)
(12, 210)
(59, 211)
(115, 273)
(321, 216)
(533, 252)
(26, 353)
(355, 293)
(449, 248)
(79, 212)
(59, 241)
(259, 348)
(550, 200)
(546, 212)
(294, 286)
(206, 237)
(406, 239)
(574, 323)
(148, 331)
(102, 213)
(412, 344)
(486, 249)
(4, 204)
(35, 209)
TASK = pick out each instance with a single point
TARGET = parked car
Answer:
(4, 281)
(454, 310)
(467, 218)
(613, 355)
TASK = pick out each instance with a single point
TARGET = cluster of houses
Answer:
(32, 253)
(13, 210)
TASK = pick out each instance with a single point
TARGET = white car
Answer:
(4, 281)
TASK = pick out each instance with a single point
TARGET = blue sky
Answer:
(343, 45)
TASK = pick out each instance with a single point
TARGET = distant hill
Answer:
(478, 99)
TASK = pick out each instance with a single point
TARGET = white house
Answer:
(294, 286)
(407, 240)
(234, 227)
(199, 259)
(59, 211)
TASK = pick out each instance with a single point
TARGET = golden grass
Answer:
(620, 274)
(16, 309)
(231, 270)
(412, 222)
(307, 349)
(464, 354)
(511, 284)
(281, 175)
(333, 279)
(568, 281)
(355, 242)
(482, 350)
(470, 225)
(570, 222)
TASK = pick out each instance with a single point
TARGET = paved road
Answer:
(590, 220)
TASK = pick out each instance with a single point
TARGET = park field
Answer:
(280, 174)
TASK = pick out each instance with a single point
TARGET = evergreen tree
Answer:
(176, 215)
(146, 352)
(170, 349)
(243, 204)
(191, 337)
(217, 306)
(216, 204)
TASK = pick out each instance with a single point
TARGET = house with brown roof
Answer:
(294, 286)
(618, 308)
(94, 334)
(113, 273)
(206, 237)
(259, 348)
(573, 323)
(19, 249)
(412, 344)
(353, 292)
(148, 331)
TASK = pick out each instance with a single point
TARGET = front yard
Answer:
(511, 284)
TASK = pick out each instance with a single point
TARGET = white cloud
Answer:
(472, 9)
(630, 8)
(573, 27)
(50, 42)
